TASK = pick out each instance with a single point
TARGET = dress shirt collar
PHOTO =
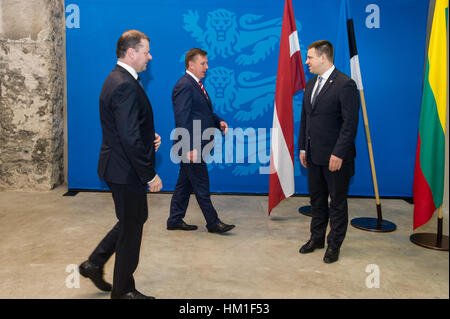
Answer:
(130, 69)
(327, 73)
(192, 74)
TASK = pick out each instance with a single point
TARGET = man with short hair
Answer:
(328, 126)
(191, 106)
(127, 164)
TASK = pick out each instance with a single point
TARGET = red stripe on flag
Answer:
(276, 192)
(423, 198)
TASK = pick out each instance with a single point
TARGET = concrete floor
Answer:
(43, 233)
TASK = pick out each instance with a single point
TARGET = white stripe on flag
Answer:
(356, 71)
(294, 46)
(282, 160)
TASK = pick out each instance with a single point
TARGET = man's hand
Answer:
(303, 158)
(192, 156)
(335, 163)
(155, 185)
(157, 141)
(223, 127)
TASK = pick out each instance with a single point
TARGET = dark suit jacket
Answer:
(330, 126)
(189, 104)
(127, 154)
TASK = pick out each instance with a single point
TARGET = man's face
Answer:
(315, 62)
(198, 66)
(141, 56)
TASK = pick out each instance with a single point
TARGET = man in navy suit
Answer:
(127, 164)
(194, 114)
(328, 127)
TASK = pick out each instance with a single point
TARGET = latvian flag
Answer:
(290, 79)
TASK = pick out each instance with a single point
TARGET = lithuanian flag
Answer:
(428, 185)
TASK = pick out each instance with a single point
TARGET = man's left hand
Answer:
(223, 127)
(157, 141)
(335, 163)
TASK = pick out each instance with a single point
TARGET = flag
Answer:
(346, 46)
(428, 186)
(290, 79)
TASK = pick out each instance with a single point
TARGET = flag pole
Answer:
(431, 240)
(365, 223)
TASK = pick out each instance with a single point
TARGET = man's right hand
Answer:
(303, 158)
(192, 156)
(155, 185)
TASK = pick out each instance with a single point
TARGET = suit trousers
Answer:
(193, 177)
(323, 184)
(124, 239)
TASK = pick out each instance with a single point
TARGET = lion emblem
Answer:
(225, 36)
(221, 86)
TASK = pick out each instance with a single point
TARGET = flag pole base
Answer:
(373, 224)
(430, 240)
(305, 210)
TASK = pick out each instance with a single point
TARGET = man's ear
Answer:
(131, 53)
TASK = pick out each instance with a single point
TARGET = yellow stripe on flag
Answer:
(437, 56)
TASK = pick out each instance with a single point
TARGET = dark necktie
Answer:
(316, 93)
(203, 89)
(140, 82)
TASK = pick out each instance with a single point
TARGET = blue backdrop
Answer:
(242, 41)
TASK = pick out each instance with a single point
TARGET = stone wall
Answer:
(32, 82)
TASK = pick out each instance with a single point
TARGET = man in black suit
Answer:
(328, 127)
(127, 164)
(194, 115)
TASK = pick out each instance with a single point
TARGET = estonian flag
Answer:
(346, 46)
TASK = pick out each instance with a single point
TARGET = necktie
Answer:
(203, 89)
(316, 93)
(140, 82)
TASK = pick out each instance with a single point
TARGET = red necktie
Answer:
(203, 89)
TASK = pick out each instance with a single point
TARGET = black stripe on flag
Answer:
(351, 38)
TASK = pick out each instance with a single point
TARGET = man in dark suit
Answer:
(127, 164)
(194, 115)
(328, 127)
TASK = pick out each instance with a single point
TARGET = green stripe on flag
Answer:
(432, 150)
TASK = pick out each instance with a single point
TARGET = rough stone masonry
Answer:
(32, 79)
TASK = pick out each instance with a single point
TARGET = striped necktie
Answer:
(203, 89)
(316, 92)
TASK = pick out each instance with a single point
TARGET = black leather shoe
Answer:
(182, 226)
(95, 274)
(310, 246)
(132, 295)
(221, 228)
(331, 255)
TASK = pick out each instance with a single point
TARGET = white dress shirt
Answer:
(192, 74)
(130, 69)
(325, 77)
